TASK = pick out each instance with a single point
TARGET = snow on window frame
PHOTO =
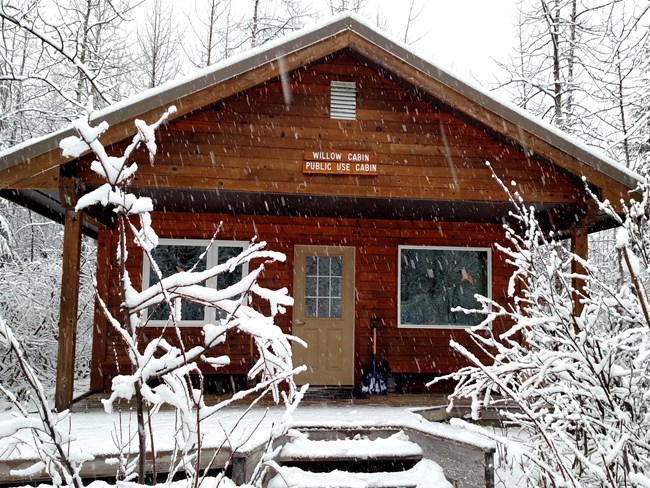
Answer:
(487, 250)
(210, 316)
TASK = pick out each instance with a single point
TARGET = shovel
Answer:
(374, 378)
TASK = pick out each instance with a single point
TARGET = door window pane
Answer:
(323, 286)
(336, 307)
(311, 286)
(312, 265)
(310, 307)
(336, 286)
(323, 307)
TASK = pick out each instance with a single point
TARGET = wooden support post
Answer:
(69, 296)
(100, 324)
(579, 247)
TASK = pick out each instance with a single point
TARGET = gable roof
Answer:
(346, 31)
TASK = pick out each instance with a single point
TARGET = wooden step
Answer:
(362, 457)
(424, 473)
(302, 448)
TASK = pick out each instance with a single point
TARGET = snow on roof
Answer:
(166, 93)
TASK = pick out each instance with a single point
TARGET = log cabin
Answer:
(358, 159)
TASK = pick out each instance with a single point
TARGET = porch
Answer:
(392, 425)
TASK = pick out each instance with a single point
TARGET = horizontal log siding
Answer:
(254, 142)
(376, 244)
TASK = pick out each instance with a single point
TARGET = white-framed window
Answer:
(433, 280)
(174, 255)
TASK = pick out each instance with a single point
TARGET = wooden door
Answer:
(323, 314)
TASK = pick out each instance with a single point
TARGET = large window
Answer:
(174, 255)
(433, 280)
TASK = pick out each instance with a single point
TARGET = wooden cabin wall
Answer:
(256, 142)
(376, 243)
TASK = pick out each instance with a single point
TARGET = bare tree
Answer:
(217, 33)
(621, 65)
(412, 16)
(270, 20)
(56, 59)
(546, 73)
(582, 66)
(337, 6)
(159, 46)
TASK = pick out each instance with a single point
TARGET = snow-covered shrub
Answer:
(161, 372)
(580, 383)
(49, 437)
(30, 296)
(169, 367)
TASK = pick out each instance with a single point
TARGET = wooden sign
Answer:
(340, 162)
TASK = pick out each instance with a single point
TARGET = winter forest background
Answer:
(581, 65)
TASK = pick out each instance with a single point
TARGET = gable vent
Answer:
(343, 100)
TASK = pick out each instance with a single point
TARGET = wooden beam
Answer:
(69, 295)
(579, 247)
(100, 325)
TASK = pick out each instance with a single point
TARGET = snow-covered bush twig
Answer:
(579, 383)
(30, 283)
(162, 372)
(50, 440)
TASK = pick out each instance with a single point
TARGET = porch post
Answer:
(579, 247)
(69, 295)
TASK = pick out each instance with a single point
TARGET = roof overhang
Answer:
(554, 216)
(47, 204)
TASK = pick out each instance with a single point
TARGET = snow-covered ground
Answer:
(94, 432)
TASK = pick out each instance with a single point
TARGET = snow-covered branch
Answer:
(161, 372)
(17, 17)
(577, 384)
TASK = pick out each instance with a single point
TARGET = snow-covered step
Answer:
(301, 447)
(425, 474)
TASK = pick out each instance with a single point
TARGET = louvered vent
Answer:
(343, 100)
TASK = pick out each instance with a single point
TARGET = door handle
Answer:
(298, 322)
